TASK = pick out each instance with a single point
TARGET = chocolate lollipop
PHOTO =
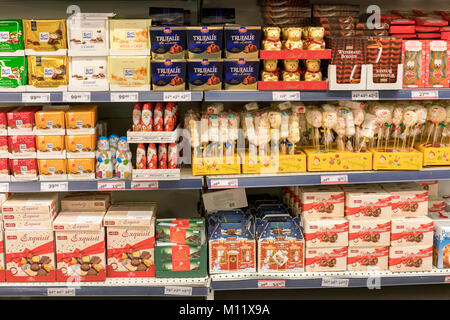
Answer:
(438, 116)
(383, 117)
(396, 121)
(358, 118)
(367, 130)
(349, 128)
(329, 122)
(316, 121)
(409, 120)
(340, 130)
(421, 113)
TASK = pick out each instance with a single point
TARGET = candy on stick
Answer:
(223, 132)
(329, 122)
(252, 139)
(263, 134)
(233, 135)
(316, 121)
(447, 121)
(421, 113)
(294, 132)
(214, 108)
(284, 131)
(340, 130)
(396, 121)
(204, 132)
(349, 128)
(358, 118)
(438, 116)
(367, 130)
(409, 120)
(383, 117)
(275, 125)
(213, 134)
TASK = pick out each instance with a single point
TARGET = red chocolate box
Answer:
(21, 144)
(22, 118)
(23, 168)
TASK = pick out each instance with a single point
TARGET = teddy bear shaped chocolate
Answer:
(37, 266)
(293, 39)
(313, 72)
(315, 38)
(291, 70)
(86, 265)
(137, 260)
(271, 38)
(270, 70)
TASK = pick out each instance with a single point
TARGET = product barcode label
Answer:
(333, 282)
(271, 284)
(76, 96)
(177, 291)
(365, 95)
(177, 96)
(144, 185)
(224, 183)
(54, 186)
(286, 95)
(4, 187)
(124, 96)
(334, 179)
(35, 97)
(111, 185)
(60, 292)
(424, 94)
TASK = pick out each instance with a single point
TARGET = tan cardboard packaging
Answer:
(86, 202)
(369, 233)
(365, 258)
(416, 231)
(365, 204)
(37, 203)
(322, 201)
(408, 199)
(326, 259)
(414, 258)
(325, 232)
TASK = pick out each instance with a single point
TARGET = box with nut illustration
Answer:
(325, 232)
(322, 201)
(30, 256)
(129, 73)
(23, 169)
(129, 36)
(284, 163)
(80, 246)
(81, 119)
(414, 231)
(326, 259)
(81, 169)
(369, 233)
(386, 159)
(367, 258)
(22, 146)
(333, 160)
(441, 245)
(408, 199)
(50, 122)
(367, 202)
(434, 155)
(47, 73)
(81, 146)
(215, 165)
(14, 72)
(52, 169)
(46, 37)
(130, 234)
(12, 38)
(50, 147)
(413, 258)
(21, 120)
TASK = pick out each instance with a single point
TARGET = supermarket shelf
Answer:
(315, 178)
(405, 94)
(187, 181)
(310, 280)
(195, 287)
(102, 96)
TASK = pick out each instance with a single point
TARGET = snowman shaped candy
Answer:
(113, 141)
(123, 166)
(104, 167)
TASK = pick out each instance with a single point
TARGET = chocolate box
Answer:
(326, 259)
(21, 145)
(45, 204)
(13, 72)
(369, 233)
(24, 169)
(81, 117)
(437, 75)
(47, 72)
(365, 204)
(80, 144)
(80, 246)
(130, 230)
(205, 74)
(11, 38)
(45, 37)
(129, 73)
(325, 232)
(281, 246)
(4, 169)
(204, 42)
(242, 41)
(30, 255)
(441, 245)
(348, 55)
(88, 35)
(88, 74)
(384, 54)
(168, 75)
(22, 118)
(415, 231)
(322, 201)
(51, 145)
(413, 59)
(241, 74)
(168, 42)
(49, 119)
(27, 224)
(179, 234)
(52, 169)
(368, 258)
(408, 199)
(431, 187)
(86, 202)
(129, 36)
(81, 169)
(413, 258)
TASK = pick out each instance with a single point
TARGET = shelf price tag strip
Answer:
(177, 291)
(223, 183)
(76, 97)
(177, 96)
(55, 186)
(144, 185)
(35, 97)
(334, 179)
(111, 185)
(286, 96)
(365, 95)
(271, 284)
(335, 282)
(124, 96)
(61, 292)
(424, 94)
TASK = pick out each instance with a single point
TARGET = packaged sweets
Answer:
(241, 74)
(413, 258)
(81, 169)
(11, 38)
(385, 54)
(23, 169)
(204, 42)
(129, 37)
(45, 37)
(86, 202)
(4, 169)
(47, 72)
(52, 169)
(21, 145)
(53, 145)
(368, 258)
(242, 41)
(413, 56)
(441, 254)
(129, 73)
(168, 42)
(437, 63)
(22, 119)
(205, 74)
(49, 119)
(81, 117)
(14, 73)
(168, 75)
(80, 144)
(88, 74)
(88, 34)
(326, 259)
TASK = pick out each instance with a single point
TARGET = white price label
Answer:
(334, 179)
(425, 94)
(177, 96)
(224, 183)
(111, 185)
(178, 291)
(365, 95)
(124, 96)
(144, 185)
(271, 284)
(4, 187)
(61, 292)
(76, 96)
(447, 279)
(333, 282)
(286, 95)
(54, 186)
(35, 97)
